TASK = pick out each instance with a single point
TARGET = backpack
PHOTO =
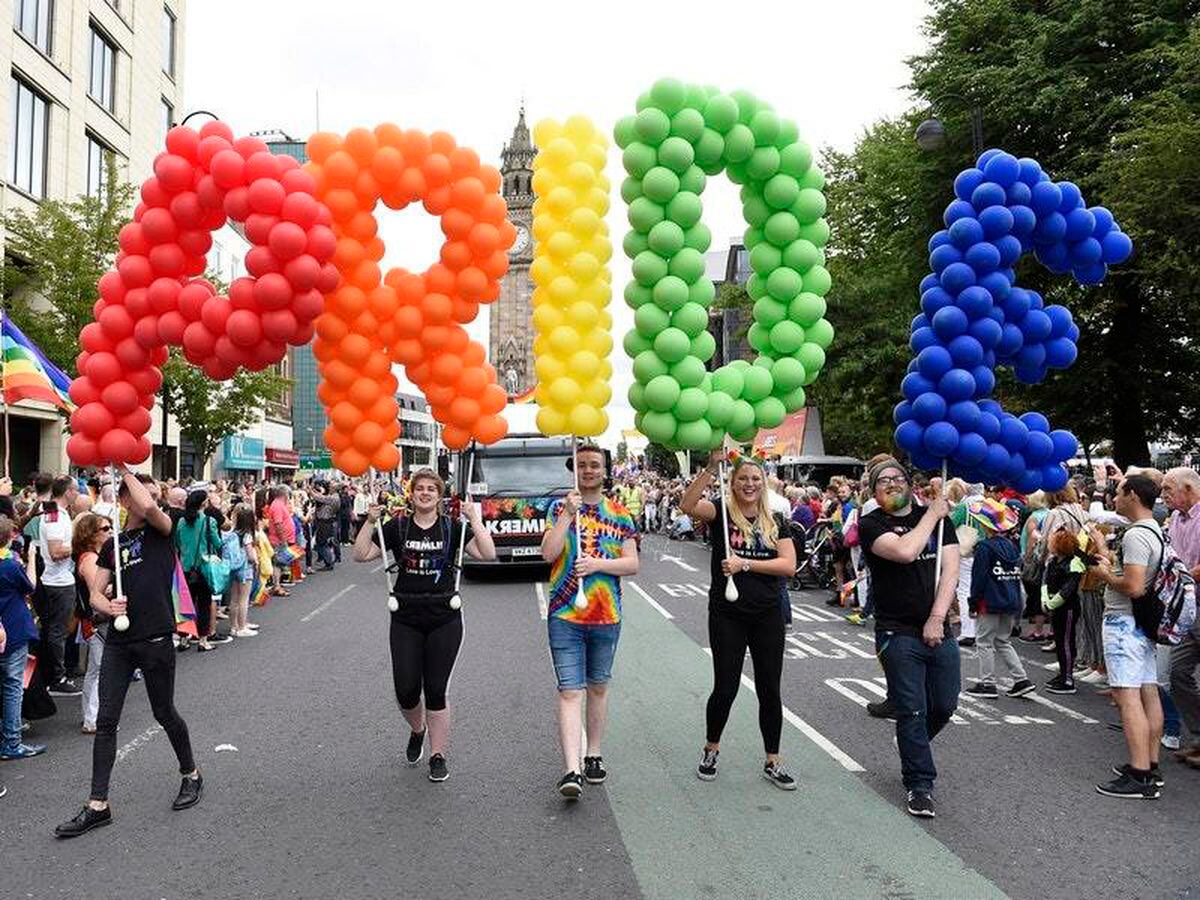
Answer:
(1166, 611)
(232, 550)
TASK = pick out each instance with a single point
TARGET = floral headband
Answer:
(756, 457)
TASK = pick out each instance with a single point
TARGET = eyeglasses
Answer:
(887, 480)
(106, 528)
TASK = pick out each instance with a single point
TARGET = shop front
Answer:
(242, 458)
(282, 463)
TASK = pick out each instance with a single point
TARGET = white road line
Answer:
(967, 710)
(658, 606)
(856, 651)
(1065, 710)
(877, 687)
(1006, 718)
(328, 603)
(543, 605)
(794, 639)
(379, 568)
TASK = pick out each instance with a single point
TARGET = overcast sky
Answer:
(464, 67)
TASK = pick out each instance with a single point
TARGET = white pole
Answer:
(581, 601)
(393, 603)
(731, 591)
(937, 570)
(121, 622)
(456, 597)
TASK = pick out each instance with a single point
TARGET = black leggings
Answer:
(729, 636)
(424, 657)
(1063, 621)
(156, 659)
(202, 600)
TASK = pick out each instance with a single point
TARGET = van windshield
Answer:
(509, 476)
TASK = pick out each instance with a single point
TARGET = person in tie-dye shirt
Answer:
(583, 641)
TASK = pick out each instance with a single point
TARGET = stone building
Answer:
(510, 344)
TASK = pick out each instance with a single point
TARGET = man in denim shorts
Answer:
(1128, 653)
(583, 638)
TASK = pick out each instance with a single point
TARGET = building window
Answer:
(35, 20)
(99, 158)
(168, 116)
(103, 82)
(31, 120)
(168, 42)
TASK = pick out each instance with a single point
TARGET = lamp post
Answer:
(931, 134)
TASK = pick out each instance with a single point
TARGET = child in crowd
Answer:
(1066, 564)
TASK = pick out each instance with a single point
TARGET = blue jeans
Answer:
(12, 690)
(1172, 723)
(582, 654)
(785, 603)
(923, 685)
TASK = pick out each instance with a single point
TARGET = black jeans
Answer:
(156, 659)
(1063, 621)
(328, 548)
(54, 609)
(729, 637)
(202, 600)
(422, 659)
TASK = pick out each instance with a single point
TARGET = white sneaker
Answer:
(252, 626)
(245, 633)
(1092, 677)
(1170, 741)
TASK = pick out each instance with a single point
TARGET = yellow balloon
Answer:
(543, 270)
(584, 365)
(560, 201)
(558, 152)
(544, 181)
(562, 245)
(548, 367)
(565, 392)
(563, 290)
(551, 421)
(544, 227)
(583, 267)
(546, 131)
(597, 394)
(599, 342)
(564, 340)
(547, 317)
(587, 421)
(582, 315)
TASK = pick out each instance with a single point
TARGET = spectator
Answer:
(1181, 492)
(57, 591)
(91, 533)
(281, 532)
(17, 630)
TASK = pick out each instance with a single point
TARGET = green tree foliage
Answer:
(661, 460)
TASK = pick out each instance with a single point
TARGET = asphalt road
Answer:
(315, 800)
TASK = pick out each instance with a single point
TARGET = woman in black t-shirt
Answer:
(763, 556)
(426, 631)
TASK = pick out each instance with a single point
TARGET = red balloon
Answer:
(272, 291)
(241, 294)
(103, 369)
(136, 421)
(211, 197)
(187, 210)
(163, 294)
(110, 286)
(228, 169)
(170, 327)
(174, 172)
(303, 271)
(218, 369)
(146, 381)
(279, 325)
(133, 355)
(93, 338)
(117, 446)
(169, 260)
(287, 240)
(132, 240)
(192, 299)
(158, 226)
(93, 420)
(321, 242)
(300, 208)
(119, 398)
(266, 195)
(153, 195)
(82, 450)
(135, 271)
(141, 451)
(145, 332)
(195, 242)
(82, 391)
(184, 142)
(137, 302)
(260, 261)
(236, 204)
(244, 328)
(214, 313)
(258, 227)
(198, 340)
(260, 165)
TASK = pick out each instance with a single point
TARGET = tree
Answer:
(661, 460)
(622, 450)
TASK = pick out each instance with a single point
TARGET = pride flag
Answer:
(181, 599)
(25, 372)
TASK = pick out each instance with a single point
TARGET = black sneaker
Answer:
(835, 600)
(437, 768)
(65, 688)
(189, 792)
(218, 638)
(416, 748)
(571, 785)
(87, 819)
(1021, 688)
(707, 770)
(1060, 685)
(1126, 786)
(593, 770)
(966, 642)
(1156, 777)
(920, 804)
(882, 709)
(778, 776)
(983, 689)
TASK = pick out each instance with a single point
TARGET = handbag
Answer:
(211, 566)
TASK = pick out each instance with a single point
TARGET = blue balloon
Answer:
(1011, 341)
(996, 283)
(1086, 252)
(1050, 228)
(987, 331)
(927, 282)
(1003, 169)
(1053, 256)
(1018, 194)
(996, 314)
(965, 232)
(1031, 357)
(1035, 300)
(934, 299)
(914, 385)
(1031, 172)
(1061, 353)
(957, 276)
(919, 321)
(1038, 448)
(924, 460)
(985, 379)
(975, 301)
(1019, 302)
(971, 450)
(1028, 481)
(1029, 374)
(934, 362)
(909, 435)
(1117, 247)
(1054, 478)
(949, 322)
(1080, 224)
(957, 209)
(1073, 333)
(1104, 221)
(1065, 445)
(1013, 433)
(902, 412)
(957, 384)
(1046, 198)
(995, 222)
(928, 408)
(1035, 421)
(943, 256)
(987, 194)
(966, 181)
(1024, 219)
(911, 367)
(1093, 273)
(988, 425)
(1060, 319)
(1010, 274)
(965, 351)
(983, 257)
(1009, 248)
(1015, 468)
(994, 408)
(939, 238)
(995, 463)
(989, 358)
(1035, 326)
(940, 439)
(922, 338)
(964, 415)
(982, 161)
(1071, 197)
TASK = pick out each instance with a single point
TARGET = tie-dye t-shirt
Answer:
(604, 527)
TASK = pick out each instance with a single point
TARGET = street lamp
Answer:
(931, 134)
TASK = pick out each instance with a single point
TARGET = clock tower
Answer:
(510, 344)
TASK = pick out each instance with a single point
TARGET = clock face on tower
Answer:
(521, 241)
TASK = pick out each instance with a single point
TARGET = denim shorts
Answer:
(1128, 654)
(582, 654)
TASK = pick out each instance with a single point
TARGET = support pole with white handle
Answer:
(121, 622)
(731, 591)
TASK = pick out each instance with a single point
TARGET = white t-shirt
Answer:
(105, 508)
(778, 503)
(58, 572)
(361, 503)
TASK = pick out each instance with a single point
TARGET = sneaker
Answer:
(1126, 786)
(856, 619)
(252, 626)
(416, 748)
(65, 688)
(778, 776)
(24, 751)
(1021, 688)
(882, 709)
(1031, 637)
(1156, 777)
(189, 792)
(966, 642)
(571, 785)
(1170, 741)
(244, 633)
(218, 638)
(221, 614)
(1048, 647)
(437, 768)
(204, 645)
(593, 770)
(185, 643)
(983, 689)
(1061, 685)
(707, 770)
(87, 819)
(920, 804)
(835, 600)
(88, 728)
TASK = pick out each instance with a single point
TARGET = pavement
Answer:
(307, 795)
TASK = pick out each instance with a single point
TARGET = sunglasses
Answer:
(106, 528)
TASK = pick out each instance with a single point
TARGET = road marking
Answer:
(794, 640)
(877, 687)
(651, 600)
(833, 750)
(138, 741)
(543, 606)
(857, 651)
(687, 567)
(379, 568)
(1006, 718)
(1065, 710)
(329, 602)
(817, 613)
(675, 591)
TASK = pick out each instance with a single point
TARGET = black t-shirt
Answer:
(147, 578)
(426, 559)
(758, 594)
(903, 592)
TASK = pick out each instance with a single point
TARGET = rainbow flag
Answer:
(25, 372)
(526, 396)
(181, 598)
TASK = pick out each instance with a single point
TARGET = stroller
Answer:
(814, 556)
(682, 529)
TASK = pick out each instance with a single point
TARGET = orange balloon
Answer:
(387, 457)
(384, 410)
(351, 461)
(321, 145)
(440, 394)
(336, 439)
(345, 416)
(490, 429)
(368, 436)
(493, 399)
(454, 437)
(464, 412)
(446, 368)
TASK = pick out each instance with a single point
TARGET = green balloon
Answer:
(706, 383)
(820, 334)
(685, 209)
(802, 255)
(688, 124)
(639, 159)
(787, 336)
(631, 189)
(644, 100)
(739, 144)
(644, 214)
(764, 362)
(809, 206)
(691, 405)
(665, 238)
(648, 267)
(720, 113)
(806, 308)
(788, 374)
(763, 163)
(782, 228)
(794, 400)
(704, 345)
(625, 131)
(765, 125)
(637, 421)
(689, 372)
(659, 427)
(635, 343)
(662, 393)
(759, 338)
(637, 295)
(728, 380)
(702, 292)
(795, 158)
(637, 397)
(669, 94)
(758, 383)
(748, 105)
(660, 184)
(676, 153)
(718, 439)
(672, 345)
(746, 436)
(697, 95)
(634, 243)
(670, 293)
(768, 312)
(781, 191)
(812, 357)
(769, 412)
(789, 133)
(647, 365)
(752, 237)
(756, 211)
(691, 319)
(653, 125)
(710, 150)
(817, 232)
(740, 364)
(742, 417)
(693, 180)
(720, 408)
(783, 284)
(814, 178)
(650, 321)
(696, 435)
(698, 237)
(688, 264)
(765, 258)
(817, 281)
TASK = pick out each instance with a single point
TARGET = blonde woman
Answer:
(762, 557)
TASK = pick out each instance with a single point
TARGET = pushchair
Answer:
(814, 556)
(682, 529)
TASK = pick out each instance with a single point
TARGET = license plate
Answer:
(527, 551)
